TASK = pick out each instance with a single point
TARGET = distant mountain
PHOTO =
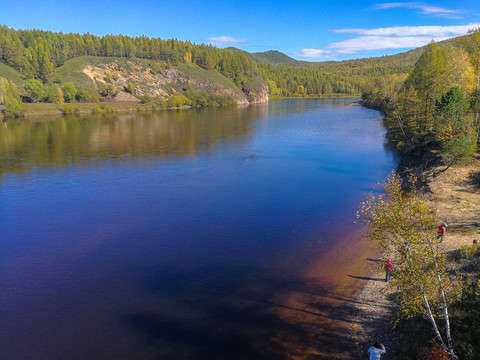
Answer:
(276, 57)
(401, 63)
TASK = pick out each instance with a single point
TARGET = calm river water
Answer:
(183, 235)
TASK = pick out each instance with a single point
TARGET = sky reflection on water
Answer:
(165, 235)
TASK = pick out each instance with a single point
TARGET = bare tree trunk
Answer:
(444, 299)
(427, 305)
(432, 320)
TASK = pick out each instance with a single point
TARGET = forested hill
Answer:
(276, 57)
(37, 65)
(44, 66)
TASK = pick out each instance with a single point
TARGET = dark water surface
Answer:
(180, 235)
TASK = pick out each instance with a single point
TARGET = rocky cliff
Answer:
(164, 80)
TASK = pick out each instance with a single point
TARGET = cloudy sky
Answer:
(307, 30)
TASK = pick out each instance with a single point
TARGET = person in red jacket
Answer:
(388, 269)
(441, 232)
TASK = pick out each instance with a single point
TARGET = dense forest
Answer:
(31, 61)
(434, 109)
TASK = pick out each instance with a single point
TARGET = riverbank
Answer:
(48, 109)
(122, 106)
(457, 202)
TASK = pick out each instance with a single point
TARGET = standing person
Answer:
(441, 232)
(388, 269)
(376, 351)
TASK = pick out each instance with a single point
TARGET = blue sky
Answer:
(307, 30)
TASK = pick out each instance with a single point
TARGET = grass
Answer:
(202, 75)
(465, 252)
(71, 71)
(11, 74)
(45, 109)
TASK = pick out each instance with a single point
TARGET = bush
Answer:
(53, 94)
(105, 89)
(465, 252)
(201, 99)
(160, 102)
(13, 108)
(34, 90)
(177, 100)
(83, 95)
(69, 109)
(69, 92)
(108, 78)
(433, 352)
(130, 88)
(145, 99)
(474, 177)
(104, 108)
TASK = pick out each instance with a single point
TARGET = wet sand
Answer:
(327, 305)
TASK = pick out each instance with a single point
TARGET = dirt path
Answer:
(457, 202)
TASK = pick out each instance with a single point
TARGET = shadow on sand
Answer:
(224, 319)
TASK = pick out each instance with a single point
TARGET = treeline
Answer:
(287, 81)
(34, 53)
(436, 107)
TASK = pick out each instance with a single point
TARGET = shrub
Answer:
(34, 90)
(13, 108)
(104, 108)
(108, 78)
(53, 94)
(105, 90)
(433, 352)
(84, 95)
(69, 109)
(474, 177)
(69, 92)
(177, 100)
(160, 102)
(130, 88)
(145, 99)
(465, 252)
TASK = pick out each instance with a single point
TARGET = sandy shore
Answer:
(457, 203)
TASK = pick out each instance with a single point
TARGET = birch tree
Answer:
(405, 228)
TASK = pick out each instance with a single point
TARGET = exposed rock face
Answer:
(163, 83)
(261, 97)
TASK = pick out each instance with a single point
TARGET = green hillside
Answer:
(401, 63)
(276, 57)
(12, 75)
(153, 68)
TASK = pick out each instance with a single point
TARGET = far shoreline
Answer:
(104, 107)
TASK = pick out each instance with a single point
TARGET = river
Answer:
(210, 234)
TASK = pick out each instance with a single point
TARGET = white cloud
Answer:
(423, 9)
(369, 43)
(366, 43)
(435, 31)
(314, 53)
(225, 41)
(400, 37)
